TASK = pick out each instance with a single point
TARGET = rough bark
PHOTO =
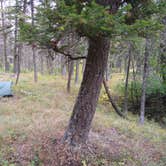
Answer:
(85, 106)
(144, 81)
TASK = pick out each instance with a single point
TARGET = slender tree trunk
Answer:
(15, 65)
(77, 72)
(138, 64)
(50, 62)
(144, 80)
(29, 64)
(125, 63)
(19, 63)
(112, 101)
(120, 66)
(7, 67)
(41, 64)
(127, 80)
(6, 64)
(34, 64)
(63, 66)
(134, 92)
(70, 73)
(18, 46)
(163, 52)
(33, 45)
(85, 106)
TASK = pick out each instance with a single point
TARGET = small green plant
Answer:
(36, 160)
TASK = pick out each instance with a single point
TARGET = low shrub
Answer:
(155, 98)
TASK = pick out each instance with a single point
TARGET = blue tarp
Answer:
(6, 89)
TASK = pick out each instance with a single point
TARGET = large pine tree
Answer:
(99, 21)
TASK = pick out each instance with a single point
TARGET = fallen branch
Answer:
(112, 101)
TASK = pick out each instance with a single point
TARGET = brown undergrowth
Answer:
(33, 122)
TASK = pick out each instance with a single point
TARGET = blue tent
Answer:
(6, 89)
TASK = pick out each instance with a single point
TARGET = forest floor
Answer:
(34, 120)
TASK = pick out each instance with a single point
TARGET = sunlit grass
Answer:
(48, 97)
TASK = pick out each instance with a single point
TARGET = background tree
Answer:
(5, 57)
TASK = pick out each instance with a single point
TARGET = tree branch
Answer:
(112, 101)
(56, 49)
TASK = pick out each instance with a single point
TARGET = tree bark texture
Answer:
(85, 106)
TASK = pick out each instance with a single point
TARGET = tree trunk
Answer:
(120, 66)
(50, 62)
(134, 92)
(19, 63)
(163, 52)
(15, 64)
(7, 67)
(77, 72)
(63, 66)
(42, 64)
(85, 106)
(125, 63)
(127, 80)
(144, 80)
(6, 64)
(70, 73)
(33, 45)
(34, 64)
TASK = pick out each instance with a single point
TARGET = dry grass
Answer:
(38, 114)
